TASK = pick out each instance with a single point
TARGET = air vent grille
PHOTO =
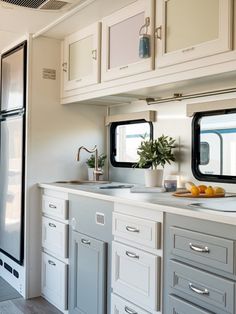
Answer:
(34, 4)
(53, 5)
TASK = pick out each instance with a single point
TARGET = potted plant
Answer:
(155, 154)
(91, 164)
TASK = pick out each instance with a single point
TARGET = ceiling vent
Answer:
(51, 5)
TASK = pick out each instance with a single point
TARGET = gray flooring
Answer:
(7, 292)
(32, 306)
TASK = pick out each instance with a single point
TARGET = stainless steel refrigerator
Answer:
(12, 152)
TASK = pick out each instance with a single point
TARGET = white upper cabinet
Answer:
(120, 40)
(192, 29)
(81, 66)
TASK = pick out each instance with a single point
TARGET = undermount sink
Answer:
(222, 205)
(82, 182)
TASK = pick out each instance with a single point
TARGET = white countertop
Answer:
(164, 202)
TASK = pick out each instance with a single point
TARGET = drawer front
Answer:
(142, 231)
(202, 248)
(55, 237)
(121, 306)
(209, 291)
(55, 207)
(54, 281)
(178, 306)
(136, 275)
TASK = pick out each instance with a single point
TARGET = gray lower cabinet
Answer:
(87, 275)
(199, 266)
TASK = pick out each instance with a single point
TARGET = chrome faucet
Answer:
(97, 172)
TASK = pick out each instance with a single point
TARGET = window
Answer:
(214, 146)
(125, 139)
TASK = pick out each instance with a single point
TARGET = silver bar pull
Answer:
(64, 66)
(131, 229)
(52, 206)
(200, 249)
(52, 225)
(51, 263)
(130, 311)
(84, 241)
(197, 290)
(124, 67)
(94, 54)
(158, 32)
(132, 255)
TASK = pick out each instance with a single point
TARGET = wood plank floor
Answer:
(32, 306)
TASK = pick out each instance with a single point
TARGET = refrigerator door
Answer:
(11, 186)
(13, 79)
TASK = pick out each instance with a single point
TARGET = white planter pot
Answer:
(153, 177)
(90, 174)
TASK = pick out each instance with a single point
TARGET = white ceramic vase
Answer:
(153, 177)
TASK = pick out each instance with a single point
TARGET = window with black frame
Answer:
(214, 146)
(125, 138)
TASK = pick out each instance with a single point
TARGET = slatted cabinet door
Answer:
(87, 281)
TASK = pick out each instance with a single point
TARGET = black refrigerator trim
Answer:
(23, 46)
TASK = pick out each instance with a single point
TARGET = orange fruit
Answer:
(219, 190)
(195, 191)
(202, 188)
(210, 191)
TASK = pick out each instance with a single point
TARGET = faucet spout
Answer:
(97, 172)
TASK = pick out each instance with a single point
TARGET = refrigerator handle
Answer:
(5, 115)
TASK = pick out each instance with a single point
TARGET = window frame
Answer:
(113, 127)
(195, 156)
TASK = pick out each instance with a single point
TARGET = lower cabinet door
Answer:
(121, 306)
(54, 281)
(87, 281)
(136, 275)
(178, 306)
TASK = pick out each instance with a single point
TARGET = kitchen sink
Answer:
(222, 205)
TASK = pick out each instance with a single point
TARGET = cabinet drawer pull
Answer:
(197, 248)
(132, 255)
(158, 32)
(52, 206)
(52, 225)
(64, 66)
(124, 67)
(94, 54)
(84, 241)
(131, 229)
(188, 49)
(51, 263)
(197, 290)
(130, 311)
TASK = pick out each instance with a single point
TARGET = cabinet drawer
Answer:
(209, 291)
(178, 306)
(202, 248)
(55, 207)
(142, 231)
(121, 306)
(54, 281)
(55, 237)
(136, 275)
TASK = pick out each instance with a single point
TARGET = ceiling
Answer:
(17, 21)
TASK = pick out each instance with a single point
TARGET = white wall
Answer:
(54, 134)
(172, 121)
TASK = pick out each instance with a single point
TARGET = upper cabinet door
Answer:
(81, 64)
(191, 29)
(121, 37)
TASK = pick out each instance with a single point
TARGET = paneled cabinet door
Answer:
(54, 281)
(192, 29)
(81, 66)
(87, 281)
(120, 40)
